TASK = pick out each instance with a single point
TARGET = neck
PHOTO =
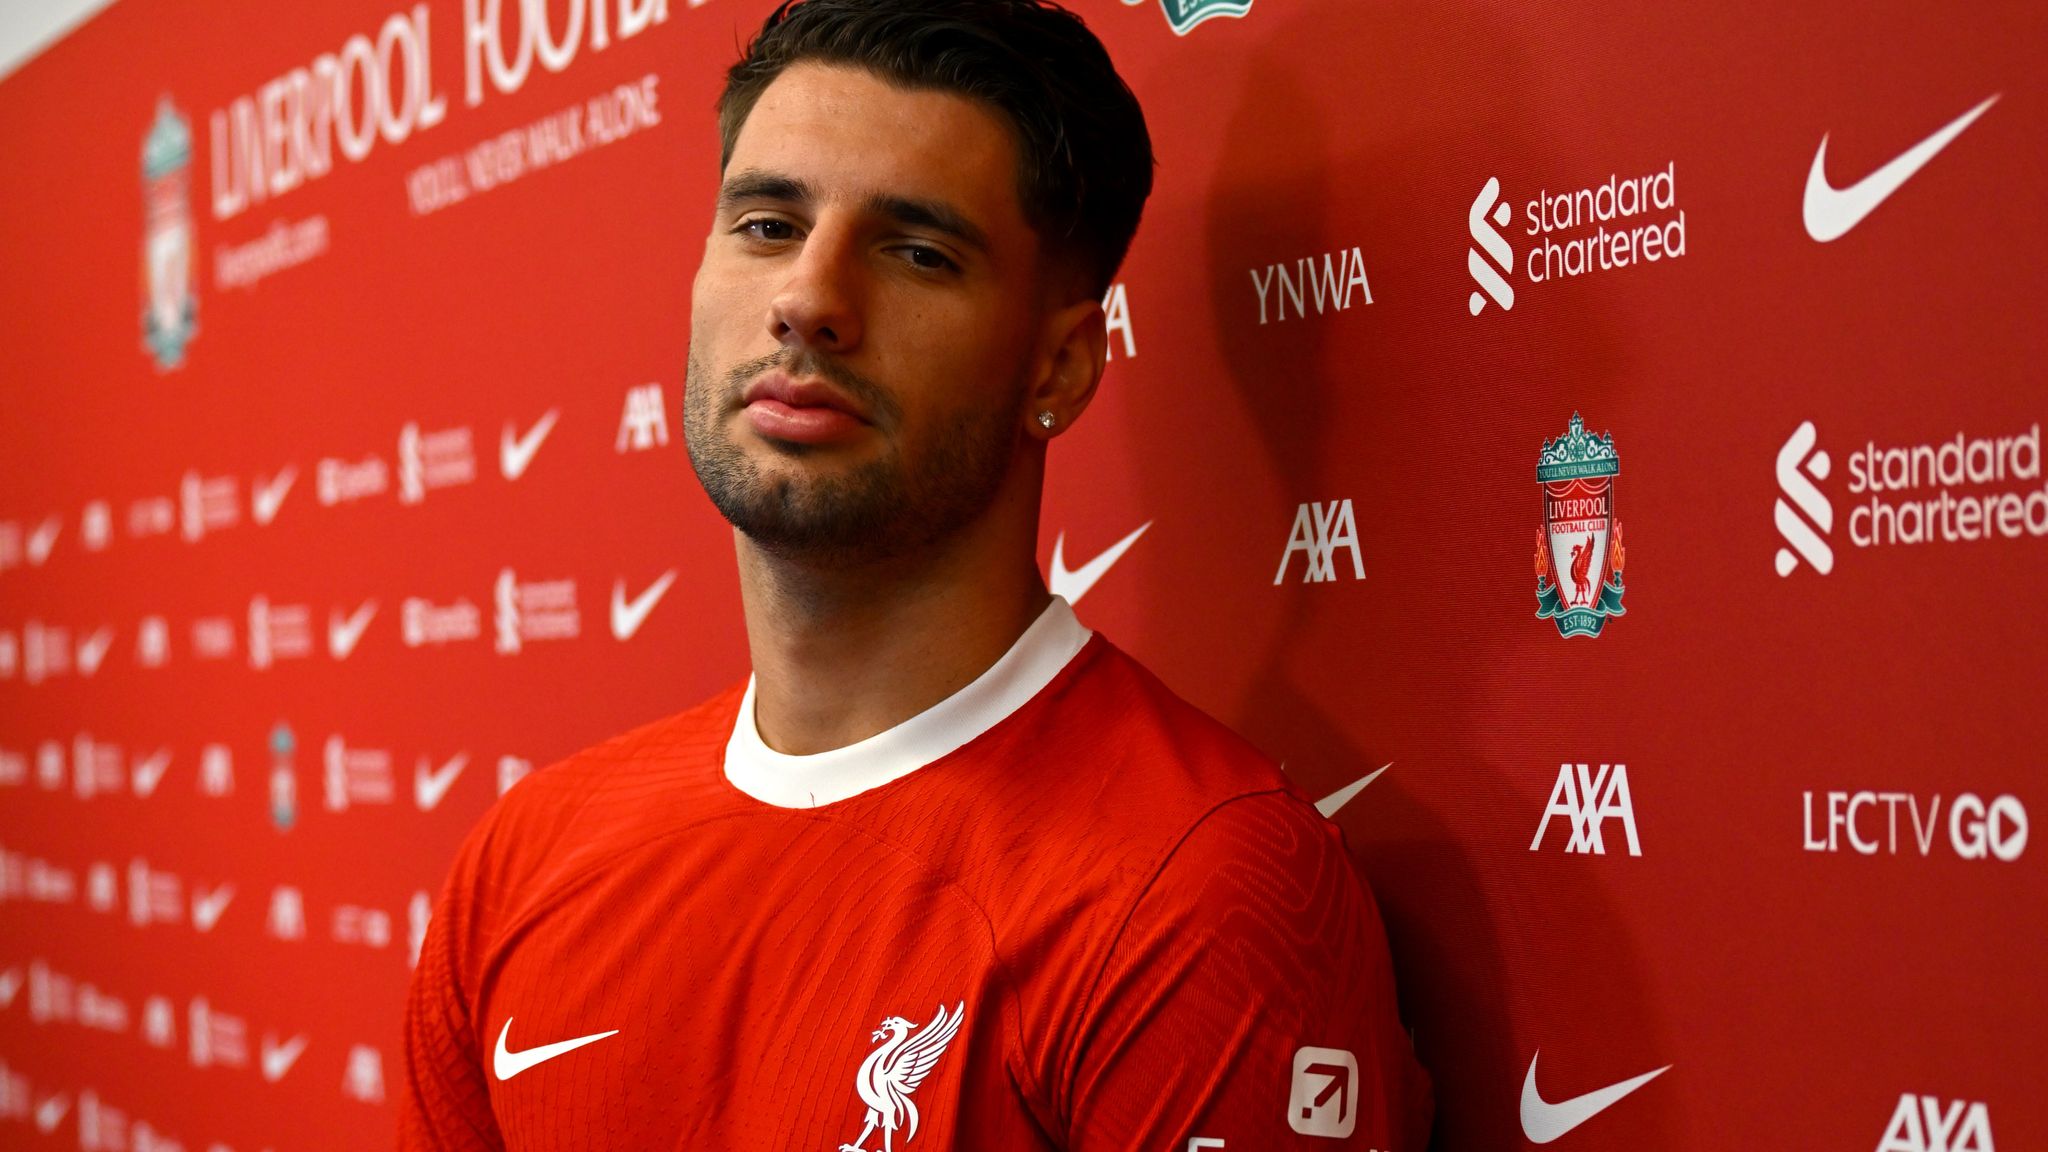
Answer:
(845, 649)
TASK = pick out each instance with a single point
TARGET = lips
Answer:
(801, 411)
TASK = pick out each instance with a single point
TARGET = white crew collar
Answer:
(786, 781)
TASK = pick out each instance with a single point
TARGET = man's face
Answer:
(862, 324)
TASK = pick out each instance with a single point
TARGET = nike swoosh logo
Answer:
(516, 452)
(627, 615)
(429, 785)
(279, 1058)
(149, 772)
(1328, 805)
(1075, 584)
(508, 1064)
(93, 650)
(1831, 212)
(206, 910)
(342, 635)
(1543, 1122)
(266, 498)
(42, 540)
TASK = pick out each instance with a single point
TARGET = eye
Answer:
(929, 259)
(767, 228)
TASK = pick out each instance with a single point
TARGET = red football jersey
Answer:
(1063, 909)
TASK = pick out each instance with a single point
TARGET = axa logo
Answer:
(1800, 463)
(1588, 798)
(1489, 214)
(1183, 15)
(1927, 1124)
(1320, 531)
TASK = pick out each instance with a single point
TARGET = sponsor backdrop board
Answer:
(1598, 449)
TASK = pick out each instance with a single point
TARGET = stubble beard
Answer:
(905, 499)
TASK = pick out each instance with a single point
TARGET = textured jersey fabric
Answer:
(1105, 923)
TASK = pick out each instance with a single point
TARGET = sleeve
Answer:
(445, 1103)
(1248, 1002)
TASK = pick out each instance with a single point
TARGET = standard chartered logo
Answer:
(1796, 460)
(1487, 236)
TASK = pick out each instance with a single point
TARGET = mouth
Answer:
(801, 411)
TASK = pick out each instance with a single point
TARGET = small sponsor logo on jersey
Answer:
(1320, 532)
(1588, 796)
(1328, 282)
(534, 610)
(505, 1063)
(516, 452)
(1543, 1121)
(644, 423)
(904, 1055)
(1116, 318)
(207, 504)
(1323, 1099)
(1184, 15)
(425, 624)
(1624, 222)
(170, 305)
(1869, 823)
(338, 481)
(1931, 1124)
(1959, 490)
(1578, 551)
(430, 460)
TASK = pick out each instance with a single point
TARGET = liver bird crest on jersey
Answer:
(893, 1071)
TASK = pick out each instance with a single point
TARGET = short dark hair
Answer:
(1084, 164)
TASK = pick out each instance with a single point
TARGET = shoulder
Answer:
(548, 814)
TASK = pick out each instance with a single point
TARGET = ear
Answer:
(1070, 366)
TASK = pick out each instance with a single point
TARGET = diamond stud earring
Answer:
(1046, 420)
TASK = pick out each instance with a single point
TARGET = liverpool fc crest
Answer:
(1578, 550)
(894, 1070)
(1185, 14)
(170, 309)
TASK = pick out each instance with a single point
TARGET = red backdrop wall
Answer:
(342, 482)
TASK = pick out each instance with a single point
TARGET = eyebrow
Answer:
(916, 212)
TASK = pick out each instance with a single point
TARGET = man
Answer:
(948, 871)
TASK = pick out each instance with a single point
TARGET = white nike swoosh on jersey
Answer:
(148, 772)
(266, 498)
(628, 615)
(429, 785)
(1328, 805)
(508, 1064)
(1830, 212)
(43, 539)
(93, 650)
(206, 910)
(1075, 584)
(342, 635)
(279, 1058)
(1543, 1122)
(515, 453)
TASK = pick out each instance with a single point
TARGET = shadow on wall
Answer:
(1487, 940)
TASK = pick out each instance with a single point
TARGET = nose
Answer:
(819, 306)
